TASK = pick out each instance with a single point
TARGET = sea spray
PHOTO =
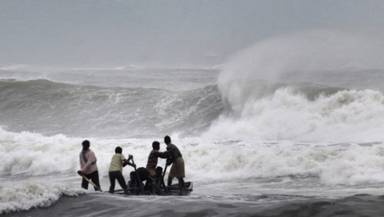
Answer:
(304, 87)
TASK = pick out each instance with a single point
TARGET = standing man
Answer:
(176, 159)
(118, 161)
(153, 157)
(88, 166)
(156, 180)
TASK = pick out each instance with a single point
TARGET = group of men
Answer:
(151, 172)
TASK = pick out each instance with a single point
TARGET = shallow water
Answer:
(288, 206)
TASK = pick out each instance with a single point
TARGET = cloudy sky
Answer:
(118, 32)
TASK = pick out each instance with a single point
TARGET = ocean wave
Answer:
(320, 86)
(344, 164)
(171, 78)
(32, 158)
(17, 196)
(345, 116)
(257, 109)
(51, 108)
(207, 159)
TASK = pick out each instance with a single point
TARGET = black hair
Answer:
(156, 145)
(118, 150)
(167, 140)
(85, 144)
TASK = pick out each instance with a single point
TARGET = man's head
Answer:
(167, 140)
(85, 145)
(118, 150)
(156, 145)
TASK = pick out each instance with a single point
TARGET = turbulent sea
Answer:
(308, 142)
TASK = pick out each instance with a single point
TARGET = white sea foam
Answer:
(28, 153)
(29, 156)
(332, 164)
(18, 195)
(346, 116)
(34, 167)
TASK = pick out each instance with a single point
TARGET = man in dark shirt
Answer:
(176, 159)
(153, 157)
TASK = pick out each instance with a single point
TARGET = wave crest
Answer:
(345, 116)
(51, 108)
(25, 196)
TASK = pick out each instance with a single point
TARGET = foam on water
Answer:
(207, 160)
(26, 195)
(345, 116)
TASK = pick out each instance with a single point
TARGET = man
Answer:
(155, 180)
(176, 159)
(88, 167)
(153, 158)
(116, 170)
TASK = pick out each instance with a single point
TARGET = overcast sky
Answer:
(118, 32)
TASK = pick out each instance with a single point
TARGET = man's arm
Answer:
(124, 161)
(168, 155)
(162, 154)
(129, 161)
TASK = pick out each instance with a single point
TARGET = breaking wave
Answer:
(52, 108)
(344, 116)
(313, 86)
(24, 196)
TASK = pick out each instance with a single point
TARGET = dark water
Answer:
(101, 205)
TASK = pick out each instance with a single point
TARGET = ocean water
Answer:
(266, 134)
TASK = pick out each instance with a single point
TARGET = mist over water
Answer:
(304, 86)
(295, 115)
(309, 56)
